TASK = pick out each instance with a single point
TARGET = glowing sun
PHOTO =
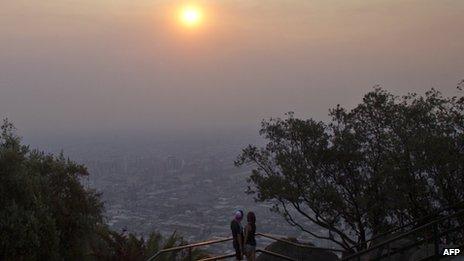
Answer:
(190, 16)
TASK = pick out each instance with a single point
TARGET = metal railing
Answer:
(280, 239)
(190, 247)
(410, 225)
(267, 252)
(428, 233)
(384, 247)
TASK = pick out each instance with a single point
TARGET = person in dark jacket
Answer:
(250, 240)
(237, 234)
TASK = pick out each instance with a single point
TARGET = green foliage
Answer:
(113, 246)
(388, 161)
(45, 213)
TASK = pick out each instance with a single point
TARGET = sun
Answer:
(190, 16)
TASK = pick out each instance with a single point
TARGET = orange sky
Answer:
(128, 63)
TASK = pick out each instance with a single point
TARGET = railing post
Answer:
(190, 253)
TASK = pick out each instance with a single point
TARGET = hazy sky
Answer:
(70, 66)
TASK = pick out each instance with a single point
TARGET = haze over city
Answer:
(86, 67)
(151, 124)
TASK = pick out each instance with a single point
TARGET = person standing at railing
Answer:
(250, 237)
(237, 234)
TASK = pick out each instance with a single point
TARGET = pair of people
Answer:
(244, 241)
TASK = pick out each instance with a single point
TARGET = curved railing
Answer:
(430, 233)
(409, 226)
(190, 247)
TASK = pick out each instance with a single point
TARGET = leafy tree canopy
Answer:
(388, 161)
(45, 213)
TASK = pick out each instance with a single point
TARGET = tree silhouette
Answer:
(389, 161)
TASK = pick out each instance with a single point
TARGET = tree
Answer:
(45, 213)
(389, 161)
(114, 246)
